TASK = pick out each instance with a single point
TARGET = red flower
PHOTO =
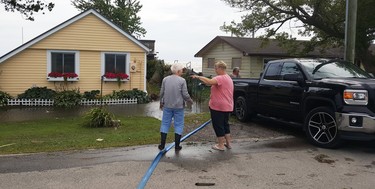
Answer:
(109, 75)
(65, 75)
(69, 75)
(122, 75)
(55, 74)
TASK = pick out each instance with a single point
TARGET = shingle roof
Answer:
(254, 47)
(66, 23)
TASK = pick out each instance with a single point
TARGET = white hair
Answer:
(176, 67)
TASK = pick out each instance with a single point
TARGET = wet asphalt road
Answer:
(285, 161)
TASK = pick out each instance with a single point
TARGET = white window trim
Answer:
(127, 66)
(49, 67)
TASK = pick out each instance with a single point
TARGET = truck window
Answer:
(273, 71)
(290, 68)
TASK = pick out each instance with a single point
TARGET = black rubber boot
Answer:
(163, 138)
(177, 139)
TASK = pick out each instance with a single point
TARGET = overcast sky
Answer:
(180, 28)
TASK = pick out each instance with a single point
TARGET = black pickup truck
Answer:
(331, 99)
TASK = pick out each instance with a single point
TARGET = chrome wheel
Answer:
(322, 127)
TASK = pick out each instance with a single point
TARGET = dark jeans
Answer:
(220, 122)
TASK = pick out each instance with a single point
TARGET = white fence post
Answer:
(48, 102)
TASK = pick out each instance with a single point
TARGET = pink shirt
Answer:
(221, 98)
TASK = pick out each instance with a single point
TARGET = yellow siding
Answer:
(27, 69)
(89, 33)
(90, 36)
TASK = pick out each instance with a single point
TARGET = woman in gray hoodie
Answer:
(173, 95)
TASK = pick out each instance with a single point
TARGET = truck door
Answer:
(290, 93)
(278, 97)
(267, 89)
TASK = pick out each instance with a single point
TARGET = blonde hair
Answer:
(176, 67)
(221, 64)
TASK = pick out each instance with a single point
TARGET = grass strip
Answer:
(63, 134)
(67, 134)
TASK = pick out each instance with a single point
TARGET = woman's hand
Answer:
(161, 106)
(195, 76)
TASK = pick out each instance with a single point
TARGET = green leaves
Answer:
(122, 12)
(99, 117)
(67, 98)
(141, 96)
(37, 93)
(4, 98)
(322, 20)
(27, 7)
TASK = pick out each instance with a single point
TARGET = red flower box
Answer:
(109, 75)
(69, 75)
(119, 77)
(65, 75)
(55, 74)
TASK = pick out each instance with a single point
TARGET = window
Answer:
(266, 60)
(211, 63)
(62, 62)
(116, 63)
(290, 68)
(236, 62)
(273, 71)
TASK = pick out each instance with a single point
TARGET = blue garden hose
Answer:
(153, 165)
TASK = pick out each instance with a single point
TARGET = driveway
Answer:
(264, 155)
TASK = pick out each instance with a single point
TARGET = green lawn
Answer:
(50, 135)
(67, 134)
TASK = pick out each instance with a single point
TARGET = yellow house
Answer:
(87, 47)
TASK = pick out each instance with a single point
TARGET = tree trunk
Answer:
(368, 61)
(156, 78)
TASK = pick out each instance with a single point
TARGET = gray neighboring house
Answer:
(249, 55)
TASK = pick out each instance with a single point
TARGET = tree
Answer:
(121, 12)
(322, 20)
(27, 7)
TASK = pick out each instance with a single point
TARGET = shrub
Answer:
(141, 96)
(67, 98)
(99, 117)
(150, 68)
(38, 93)
(91, 95)
(198, 90)
(4, 98)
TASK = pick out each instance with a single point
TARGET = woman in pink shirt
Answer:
(221, 104)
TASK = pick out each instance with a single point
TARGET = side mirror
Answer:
(295, 77)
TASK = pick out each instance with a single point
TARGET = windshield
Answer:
(334, 69)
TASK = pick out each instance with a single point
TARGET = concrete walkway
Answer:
(285, 162)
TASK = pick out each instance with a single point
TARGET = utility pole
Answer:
(350, 29)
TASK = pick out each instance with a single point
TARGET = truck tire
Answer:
(241, 110)
(321, 128)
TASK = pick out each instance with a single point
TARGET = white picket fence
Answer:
(30, 102)
(46, 102)
(109, 101)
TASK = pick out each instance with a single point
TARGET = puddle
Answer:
(34, 113)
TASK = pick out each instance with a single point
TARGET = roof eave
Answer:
(63, 25)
